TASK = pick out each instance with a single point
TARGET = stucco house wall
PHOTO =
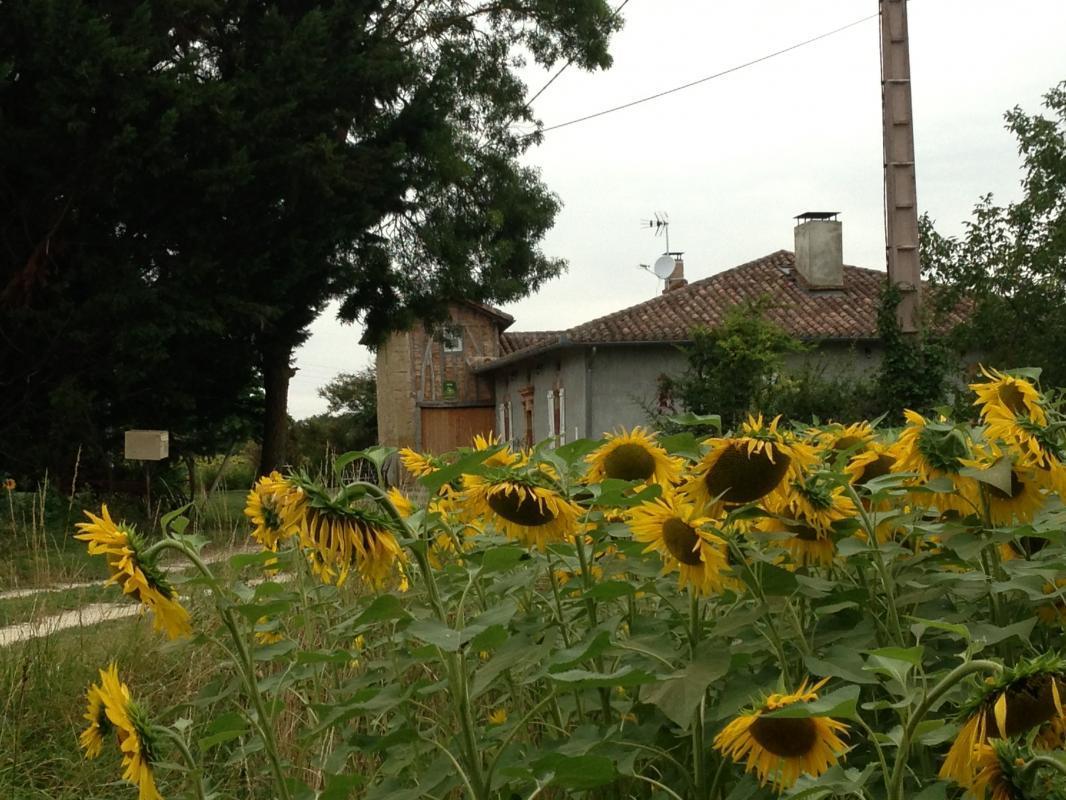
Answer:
(553, 371)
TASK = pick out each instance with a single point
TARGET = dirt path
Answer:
(91, 614)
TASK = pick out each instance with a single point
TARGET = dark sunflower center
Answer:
(846, 443)
(801, 531)
(1016, 488)
(520, 509)
(629, 462)
(681, 540)
(740, 477)
(1029, 704)
(882, 465)
(1011, 396)
(785, 738)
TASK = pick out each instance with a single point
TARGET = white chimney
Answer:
(820, 249)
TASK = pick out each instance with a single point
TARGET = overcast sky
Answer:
(734, 159)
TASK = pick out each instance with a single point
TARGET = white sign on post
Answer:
(147, 445)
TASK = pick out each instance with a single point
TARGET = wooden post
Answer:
(901, 207)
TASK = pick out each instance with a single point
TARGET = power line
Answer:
(690, 84)
(562, 69)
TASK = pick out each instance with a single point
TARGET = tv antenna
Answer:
(660, 224)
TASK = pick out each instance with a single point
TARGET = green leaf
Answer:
(375, 455)
(170, 521)
(776, 581)
(934, 791)
(499, 559)
(920, 626)
(269, 652)
(840, 662)
(590, 648)
(690, 420)
(576, 451)
(678, 695)
(894, 662)
(340, 787)
(242, 560)
(998, 475)
(625, 677)
(610, 590)
(985, 634)
(490, 638)
(576, 772)
(681, 444)
(383, 607)
(436, 633)
(469, 464)
(224, 728)
(841, 704)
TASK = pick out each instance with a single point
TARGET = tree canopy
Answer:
(186, 185)
(1010, 262)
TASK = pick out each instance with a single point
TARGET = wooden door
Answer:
(445, 429)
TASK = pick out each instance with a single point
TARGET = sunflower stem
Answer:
(263, 721)
(590, 605)
(771, 626)
(879, 561)
(895, 791)
(699, 762)
(1036, 763)
(186, 755)
(457, 678)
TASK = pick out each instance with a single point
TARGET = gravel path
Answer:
(91, 614)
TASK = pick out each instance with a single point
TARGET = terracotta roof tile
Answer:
(849, 312)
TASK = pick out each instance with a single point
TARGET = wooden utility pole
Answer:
(901, 207)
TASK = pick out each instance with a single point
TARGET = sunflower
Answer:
(111, 708)
(401, 502)
(780, 749)
(268, 631)
(1025, 497)
(271, 506)
(498, 716)
(505, 457)
(836, 438)
(746, 468)
(341, 536)
(632, 456)
(9, 484)
(873, 461)
(418, 464)
(521, 505)
(139, 576)
(1024, 698)
(671, 526)
(92, 738)
(807, 509)
(1006, 396)
(935, 450)
(999, 776)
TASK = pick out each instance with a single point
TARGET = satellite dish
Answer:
(664, 266)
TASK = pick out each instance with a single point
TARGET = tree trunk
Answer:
(276, 374)
(190, 466)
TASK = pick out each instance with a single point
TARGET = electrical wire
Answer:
(697, 82)
(562, 69)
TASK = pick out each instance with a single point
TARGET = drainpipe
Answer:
(590, 356)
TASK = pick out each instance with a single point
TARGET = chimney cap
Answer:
(807, 216)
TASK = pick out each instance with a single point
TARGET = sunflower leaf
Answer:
(470, 464)
(575, 772)
(841, 704)
(998, 475)
(626, 676)
(678, 695)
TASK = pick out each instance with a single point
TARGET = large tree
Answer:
(1010, 262)
(291, 153)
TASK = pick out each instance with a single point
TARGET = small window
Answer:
(452, 339)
